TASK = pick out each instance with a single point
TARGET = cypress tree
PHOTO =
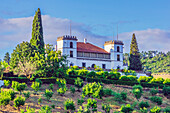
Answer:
(37, 32)
(135, 63)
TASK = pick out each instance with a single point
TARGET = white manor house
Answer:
(85, 54)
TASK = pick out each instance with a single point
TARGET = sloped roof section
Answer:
(87, 47)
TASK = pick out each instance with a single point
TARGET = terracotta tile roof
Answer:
(87, 47)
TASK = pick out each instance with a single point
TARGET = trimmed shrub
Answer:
(166, 90)
(124, 78)
(91, 74)
(35, 86)
(155, 109)
(106, 108)
(156, 99)
(82, 72)
(132, 78)
(72, 72)
(157, 80)
(153, 91)
(72, 89)
(114, 75)
(137, 91)
(126, 109)
(38, 80)
(167, 81)
(78, 83)
(92, 89)
(69, 105)
(123, 95)
(143, 104)
(107, 92)
(144, 79)
(19, 101)
(48, 94)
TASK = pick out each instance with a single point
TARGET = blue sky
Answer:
(94, 19)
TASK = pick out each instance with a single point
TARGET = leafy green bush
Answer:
(28, 110)
(38, 80)
(156, 99)
(72, 72)
(92, 103)
(18, 86)
(39, 100)
(153, 91)
(6, 83)
(123, 95)
(69, 105)
(45, 109)
(27, 95)
(107, 92)
(118, 97)
(4, 100)
(106, 108)
(137, 91)
(10, 93)
(166, 90)
(19, 101)
(35, 86)
(80, 101)
(48, 94)
(78, 83)
(144, 110)
(92, 89)
(102, 74)
(167, 110)
(143, 104)
(114, 75)
(53, 106)
(132, 78)
(62, 90)
(126, 108)
(72, 89)
(51, 86)
(61, 82)
(155, 109)
(167, 81)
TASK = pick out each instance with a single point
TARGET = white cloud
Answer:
(14, 31)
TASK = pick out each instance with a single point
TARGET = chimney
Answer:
(85, 40)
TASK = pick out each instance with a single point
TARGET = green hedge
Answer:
(18, 79)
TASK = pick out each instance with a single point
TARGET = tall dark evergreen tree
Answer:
(7, 58)
(135, 63)
(37, 32)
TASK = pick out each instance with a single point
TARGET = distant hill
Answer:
(153, 61)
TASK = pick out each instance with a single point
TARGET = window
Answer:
(83, 64)
(104, 66)
(71, 53)
(118, 49)
(118, 57)
(93, 55)
(118, 67)
(100, 55)
(79, 54)
(71, 44)
(92, 65)
(86, 54)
